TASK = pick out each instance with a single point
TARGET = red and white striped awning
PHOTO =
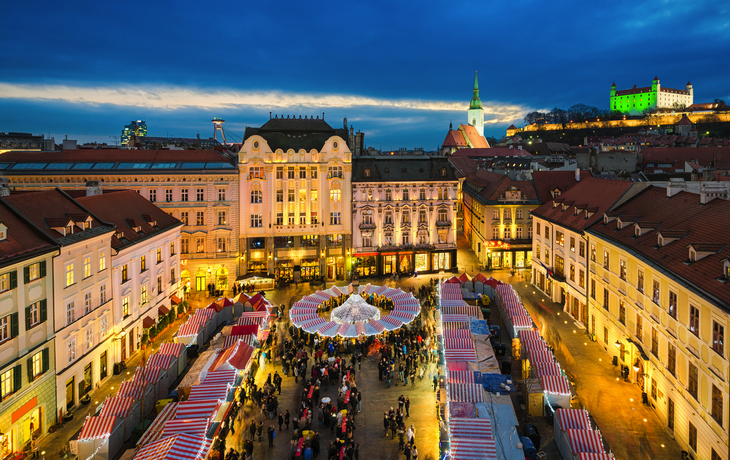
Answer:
(232, 339)
(540, 356)
(527, 334)
(457, 334)
(455, 321)
(468, 310)
(407, 305)
(314, 324)
(377, 325)
(252, 320)
(380, 290)
(255, 314)
(404, 316)
(573, 419)
(547, 368)
(239, 357)
(154, 431)
(473, 449)
(590, 456)
(189, 329)
(97, 428)
(474, 428)
(460, 355)
(450, 295)
(204, 392)
(342, 328)
(359, 328)
(298, 320)
(555, 385)
(304, 305)
(585, 441)
(461, 376)
(390, 292)
(401, 295)
(197, 409)
(324, 294)
(465, 392)
(178, 447)
(328, 329)
(195, 427)
(132, 389)
(314, 299)
(221, 376)
(390, 323)
(458, 343)
(172, 349)
(116, 406)
(158, 360)
(204, 313)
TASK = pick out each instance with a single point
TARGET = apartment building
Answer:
(27, 354)
(404, 215)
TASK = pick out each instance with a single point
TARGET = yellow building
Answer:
(659, 298)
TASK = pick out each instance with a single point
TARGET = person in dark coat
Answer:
(270, 434)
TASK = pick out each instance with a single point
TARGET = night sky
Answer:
(399, 72)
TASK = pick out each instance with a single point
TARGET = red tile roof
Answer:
(454, 139)
(127, 209)
(678, 155)
(547, 181)
(117, 155)
(597, 194)
(22, 240)
(682, 212)
(477, 140)
(491, 152)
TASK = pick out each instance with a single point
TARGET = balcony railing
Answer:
(443, 223)
(367, 226)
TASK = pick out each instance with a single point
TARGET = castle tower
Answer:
(475, 114)
(688, 87)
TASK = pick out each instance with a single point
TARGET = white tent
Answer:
(103, 436)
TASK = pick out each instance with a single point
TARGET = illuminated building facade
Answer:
(638, 100)
(404, 215)
(136, 128)
(295, 191)
(197, 187)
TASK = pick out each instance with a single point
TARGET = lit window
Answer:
(89, 338)
(125, 307)
(143, 295)
(70, 312)
(7, 384)
(102, 294)
(102, 260)
(87, 302)
(87, 267)
(69, 275)
(143, 263)
(71, 350)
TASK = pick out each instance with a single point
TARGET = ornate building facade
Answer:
(404, 215)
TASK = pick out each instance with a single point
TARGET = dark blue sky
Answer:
(398, 71)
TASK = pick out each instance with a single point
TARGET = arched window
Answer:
(388, 195)
(335, 192)
(366, 172)
(256, 196)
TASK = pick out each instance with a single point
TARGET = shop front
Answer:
(29, 416)
(256, 266)
(201, 284)
(366, 264)
(389, 263)
(422, 262)
(441, 261)
(284, 269)
(185, 279)
(502, 255)
(221, 279)
(335, 268)
(310, 269)
(405, 264)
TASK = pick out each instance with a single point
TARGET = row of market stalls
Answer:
(479, 425)
(357, 314)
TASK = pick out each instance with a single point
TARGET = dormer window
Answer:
(660, 240)
(692, 255)
(119, 234)
(366, 172)
(87, 224)
(69, 230)
(619, 224)
(137, 229)
(637, 231)
(3, 232)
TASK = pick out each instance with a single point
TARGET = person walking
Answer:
(386, 422)
(286, 419)
(260, 430)
(281, 420)
(407, 405)
(270, 433)
(359, 401)
(252, 429)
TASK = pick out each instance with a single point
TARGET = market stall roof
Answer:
(457, 334)
(172, 349)
(573, 419)
(235, 357)
(154, 431)
(189, 329)
(470, 449)
(195, 427)
(390, 323)
(116, 406)
(403, 316)
(197, 409)
(461, 377)
(175, 300)
(132, 389)
(205, 392)
(585, 441)
(97, 428)
(232, 339)
(241, 298)
(148, 373)
(221, 376)
(214, 306)
(374, 327)
(453, 280)
(466, 392)
(314, 324)
(178, 447)
(464, 309)
(245, 330)
(464, 277)
(475, 428)
(592, 456)
(158, 360)
(251, 275)
(329, 329)
(555, 385)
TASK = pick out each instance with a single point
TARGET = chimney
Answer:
(93, 188)
(577, 174)
(519, 146)
(675, 186)
(4, 189)
(711, 190)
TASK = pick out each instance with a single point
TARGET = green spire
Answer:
(476, 103)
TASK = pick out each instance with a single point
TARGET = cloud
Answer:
(179, 97)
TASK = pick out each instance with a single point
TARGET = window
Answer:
(572, 272)
(291, 219)
(87, 266)
(200, 218)
(184, 195)
(622, 312)
(495, 215)
(640, 281)
(172, 275)
(222, 218)
(672, 359)
(388, 217)
(221, 194)
(290, 172)
(718, 338)
(335, 192)
(335, 218)
(367, 239)
(537, 251)
(440, 194)
(694, 320)
(559, 238)
(102, 260)
(717, 404)
(388, 195)
(87, 302)
(102, 294)
(185, 246)
(593, 253)
(443, 235)
(153, 196)
(184, 217)
(692, 380)
(654, 342)
(529, 232)
(507, 214)
(257, 221)
(4, 328)
(692, 437)
(581, 278)
(405, 194)
(547, 256)
(200, 243)
(159, 255)
(168, 195)
(8, 281)
(71, 350)
(593, 289)
(280, 196)
(605, 335)
(673, 304)
(335, 171)
(89, 338)
(518, 214)
(639, 327)
(142, 264)
(125, 275)
(221, 245)
(280, 172)
(406, 217)
(69, 274)
(313, 217)
(367, 217)
(200, 194)
(605, 260)
(125, 307)
(34, 272)
(495, 233)
(256, 196)
(290, 195)
(313, 196)
(313, 172)
(334, 240)
(582, 249)
(406, 239)
(143, 295)
(159, 284)
(605, 298)
(279, 218)
(518, 233)
(7, 383)
(388, 238)
(103, 327)
(33, 314)
(653, 389)
(622, 269)
(559, 267)
(37, 363)
(422, 217)
(422, 194)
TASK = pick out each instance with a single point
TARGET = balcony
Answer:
(365, 226)
(256, 176)
(443, 223)
(425, 246)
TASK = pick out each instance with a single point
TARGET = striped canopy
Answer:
(585, 441)
(195, 427)
(172, 349)
(196, 409)
(374, 327)
(328, 329)
(116, 406)
(473, 449)
(474, 428)
(457, 334)
(461, 377)
(469, 310)
(158, 360)
(97, 428)
(404, 316)
(573, 419)
(132, 389)
(189, 329)
(205, 391)
(390, 323)
(178, 447)
(221, 376)
(555, 385)
(232, 339)
(154, 432)
(460, 355)
(466, 392)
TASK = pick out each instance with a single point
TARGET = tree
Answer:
(720, 101)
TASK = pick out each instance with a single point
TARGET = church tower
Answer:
(475, 113)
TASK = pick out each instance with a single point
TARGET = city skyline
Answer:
(399, 75)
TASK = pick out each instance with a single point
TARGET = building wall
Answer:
(258, 166)
(691, 348)
(98, 321)
(16, 409)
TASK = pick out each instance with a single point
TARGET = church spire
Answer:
(476, 103)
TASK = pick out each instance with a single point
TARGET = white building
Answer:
(295, 192)
(404, 215)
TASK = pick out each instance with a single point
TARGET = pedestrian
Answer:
(408, 407)
(401, 437)
(252, 429)
(386, 422)
(407, 451)
(271, 433)
(435, 382)
(281, 420)
(356, 452)
(260, 430)
(359, 401)
(230, 423)
(414, 453)
(286, 419)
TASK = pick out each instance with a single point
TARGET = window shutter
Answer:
(27, 318)
(13, 325)
(43, 268)
(44, 311)
(17, 377)
(13, 279)
(45, 359)
(30, 370)
(26, 275)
